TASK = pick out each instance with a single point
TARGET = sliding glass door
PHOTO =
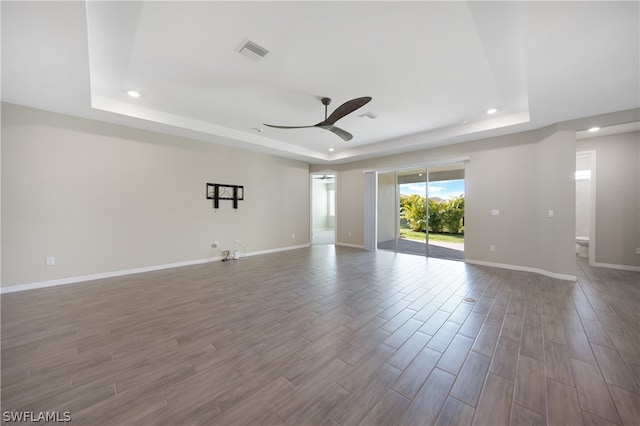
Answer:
(421, 211)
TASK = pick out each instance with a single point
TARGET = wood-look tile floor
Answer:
(325, 336)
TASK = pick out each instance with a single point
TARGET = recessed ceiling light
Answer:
(492, 111)
(133, 94)
(331, 149)
(594, 129)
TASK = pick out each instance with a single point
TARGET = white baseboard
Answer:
(620, 267)
(546, 273)
(276, 250)
(350, 245)
(94, 277)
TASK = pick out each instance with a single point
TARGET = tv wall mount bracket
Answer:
(221, 191)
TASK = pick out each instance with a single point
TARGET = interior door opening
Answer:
(323, 208)
(585, 205)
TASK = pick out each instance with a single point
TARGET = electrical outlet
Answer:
(550, 213)
(495, 212)
(638, 250)
(293, 236)
(492, 248)
(349, 233)
(49, 261)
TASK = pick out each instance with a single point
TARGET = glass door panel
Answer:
(412, 209)
(446, 211)
(387, 214)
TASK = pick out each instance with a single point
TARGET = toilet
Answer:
(583, 246)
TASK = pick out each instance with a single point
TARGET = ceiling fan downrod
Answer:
(326, 102)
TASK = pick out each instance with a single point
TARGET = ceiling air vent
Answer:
(370, 115)
(252, 50)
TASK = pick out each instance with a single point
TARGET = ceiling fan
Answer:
(328, 123)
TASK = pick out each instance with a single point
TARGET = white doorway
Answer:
(586, 205)
(323, 208)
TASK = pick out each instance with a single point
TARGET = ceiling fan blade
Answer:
(286, 127)
(328, 124)
(344, 109)
(346, 136)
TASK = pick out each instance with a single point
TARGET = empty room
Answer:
(320, 213)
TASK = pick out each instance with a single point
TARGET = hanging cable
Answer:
(241, 245)
(225, 255)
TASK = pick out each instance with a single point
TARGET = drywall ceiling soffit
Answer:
(432, 68)
(609, 130)
(428, 66)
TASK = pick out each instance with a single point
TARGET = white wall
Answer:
(350, 208)
(523, 175)
(617, 197)
(556, 192)
(103, 198)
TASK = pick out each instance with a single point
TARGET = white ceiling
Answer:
(432, 68)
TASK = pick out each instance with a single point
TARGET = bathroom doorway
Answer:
(323, 208)
(585, 205)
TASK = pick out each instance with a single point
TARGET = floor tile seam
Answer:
(626, 364)
(515, 378)
(608, 334)
(592, 308)
(544, 368)
(484, 381)
(423, 383)
(601, 376)
(604, 421)
(275, 412)
(604, 380)
(402, 413)
(463, 402)
(400, 326)
(465, 358)
(513, 387)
